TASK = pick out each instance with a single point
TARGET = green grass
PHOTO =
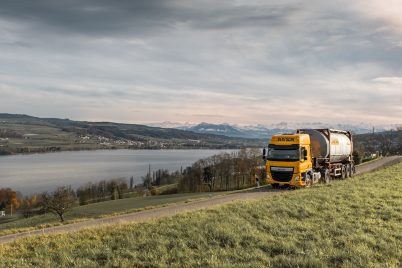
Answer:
(374, 159)
(16, 223)
(352, 223)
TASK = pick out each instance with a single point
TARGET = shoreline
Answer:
(134, 149)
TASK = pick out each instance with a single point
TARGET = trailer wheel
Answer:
(308, 181)
(347, 168)
(352, 169)
(343, 173)
(327, 176)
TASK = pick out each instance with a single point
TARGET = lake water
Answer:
(36, 173)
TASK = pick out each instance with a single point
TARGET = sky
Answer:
(238, 62)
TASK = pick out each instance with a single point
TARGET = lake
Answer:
(35, 173)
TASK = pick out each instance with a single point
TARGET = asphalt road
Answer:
(171, 210)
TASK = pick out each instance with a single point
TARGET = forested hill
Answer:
(34, 134)
(130, 131)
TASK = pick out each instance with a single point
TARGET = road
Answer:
(171, 210)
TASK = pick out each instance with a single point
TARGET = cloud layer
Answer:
(244, 62)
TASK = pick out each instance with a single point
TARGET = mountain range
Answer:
(268, 130)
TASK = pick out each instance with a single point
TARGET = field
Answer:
(351, 223)
(45, 135)
(16, 223)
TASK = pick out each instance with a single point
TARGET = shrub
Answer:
(174, 190)
(357, 156)
(154, 190)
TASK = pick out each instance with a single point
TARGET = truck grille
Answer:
(282, 176)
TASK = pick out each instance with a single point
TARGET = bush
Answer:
(358, 157)
(174, 190)
(154, 190)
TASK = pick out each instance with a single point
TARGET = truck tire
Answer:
(352, 169)
(326, 176)
(308, 181)
(347, 169)
(343, 172)
(275, 185)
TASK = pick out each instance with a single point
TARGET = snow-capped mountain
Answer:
(268, 130)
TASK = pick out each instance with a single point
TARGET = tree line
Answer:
(224, 171)
(386, 143)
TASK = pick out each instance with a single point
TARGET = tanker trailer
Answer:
(309, 156)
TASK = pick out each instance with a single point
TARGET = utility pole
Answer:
(11, 209)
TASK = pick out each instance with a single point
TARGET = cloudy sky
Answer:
(244, 62)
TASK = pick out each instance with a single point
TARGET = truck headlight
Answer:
(296, 178)
(268, 177)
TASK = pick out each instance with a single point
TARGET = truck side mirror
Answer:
(263, 154)
(305, 154)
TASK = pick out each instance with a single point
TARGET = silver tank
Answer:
(340, 147)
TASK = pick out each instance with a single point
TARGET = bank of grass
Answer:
(352, 223)
(17, 224)
(370, 161)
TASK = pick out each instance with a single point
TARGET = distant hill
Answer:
(127, 131)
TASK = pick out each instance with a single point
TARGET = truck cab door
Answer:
(304, 159)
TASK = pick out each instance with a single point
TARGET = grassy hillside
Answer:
(351, 223)
(16, 223)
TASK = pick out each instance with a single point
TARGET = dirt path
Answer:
(160, 212)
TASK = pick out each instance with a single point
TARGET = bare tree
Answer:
(60, 202)
(385, 141)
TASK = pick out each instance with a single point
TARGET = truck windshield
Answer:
(283, 155)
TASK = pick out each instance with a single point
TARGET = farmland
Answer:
(351, 223)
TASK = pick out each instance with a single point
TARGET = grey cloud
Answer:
(125, 19)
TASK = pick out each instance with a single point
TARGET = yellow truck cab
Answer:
(288, 160)
(309, 156)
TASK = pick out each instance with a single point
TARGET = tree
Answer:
(26, 208)
(357, 157)
(121, 185)
(12, 198)
(34, 200)
(208, 176)
(112, 188)
(82, 194)
(60, 202)
(385, 141)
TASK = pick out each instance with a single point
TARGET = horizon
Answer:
(239, 62)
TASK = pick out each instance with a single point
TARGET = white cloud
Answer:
(392, 80)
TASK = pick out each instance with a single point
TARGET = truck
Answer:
(309, 156)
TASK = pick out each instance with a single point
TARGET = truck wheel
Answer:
(275, 185)
(347, 168)
(352, 169)
(326, 176)
(343, 173)
(308, 181)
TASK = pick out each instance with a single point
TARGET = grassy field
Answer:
(17, 224)
(351, 223)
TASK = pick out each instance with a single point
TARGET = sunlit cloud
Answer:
(392, 80)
